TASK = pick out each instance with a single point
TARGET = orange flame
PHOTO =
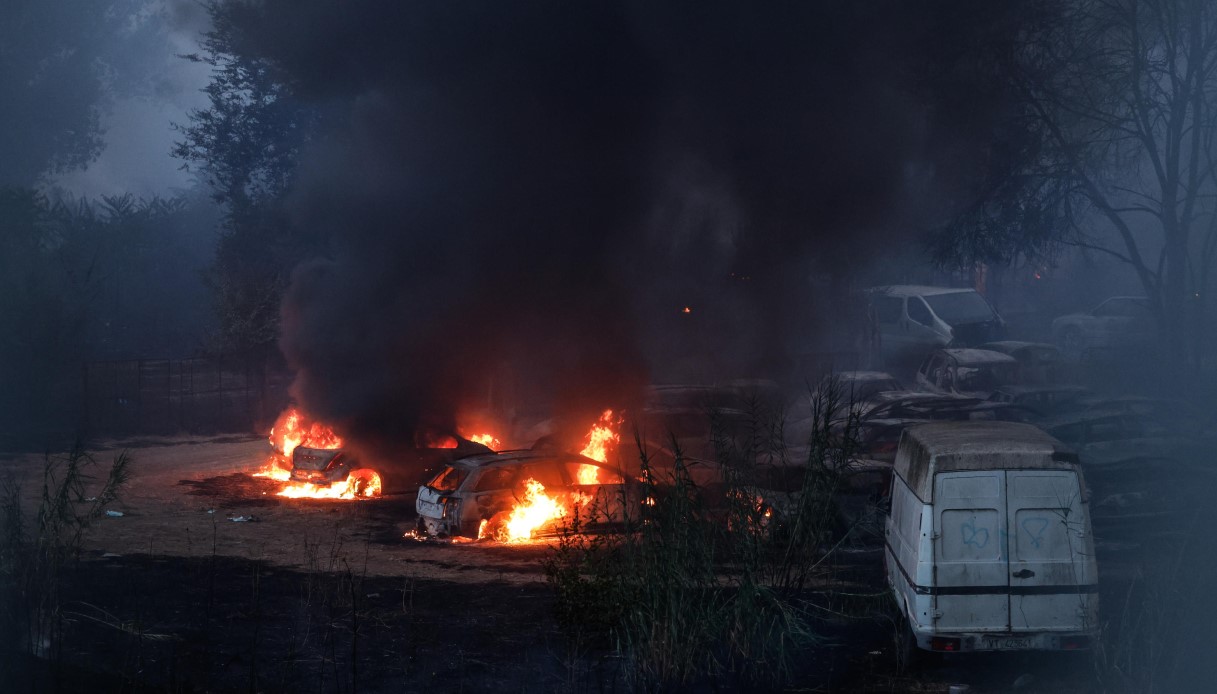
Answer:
(360, 484)
(274, 469)
(600, 439)
(534, 511)
(487, 440)
(292, 430)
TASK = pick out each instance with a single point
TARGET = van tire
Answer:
(908, 655)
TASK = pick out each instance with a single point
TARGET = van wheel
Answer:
(908, 655)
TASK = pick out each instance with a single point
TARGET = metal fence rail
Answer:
(167, 396)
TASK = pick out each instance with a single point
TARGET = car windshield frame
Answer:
(953, 309)
(442, 483)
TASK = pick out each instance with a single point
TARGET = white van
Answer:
(988, 545)
(912, 319)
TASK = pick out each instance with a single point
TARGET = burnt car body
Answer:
(1044, 401)
(1038, 362)
(1083, 429)
(969, 372)
(322, 466)
(468, 491)
(402, 474)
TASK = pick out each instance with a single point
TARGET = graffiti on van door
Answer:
(974, 536)
(1035, 527)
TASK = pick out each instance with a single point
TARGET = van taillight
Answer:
(1075, 643)
(941, 643)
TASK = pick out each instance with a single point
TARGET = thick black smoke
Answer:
(524, 195)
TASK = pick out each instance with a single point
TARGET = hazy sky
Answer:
(139, 127)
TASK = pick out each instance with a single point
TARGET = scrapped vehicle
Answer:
(1176, 417)
(325, 466)
(883, 419)
(322, 466)
(1039, 363)
(1044, 401)
(471, 497)
(988, 544)
(1146, 488)
(975, 373)
(912, 320)
(855, 386)
(1118, 325)
(1099, 426)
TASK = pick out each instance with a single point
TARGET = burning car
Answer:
(512, 495)
(332, 467)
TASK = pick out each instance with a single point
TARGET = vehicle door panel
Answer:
(970, 553)
(1046, 526)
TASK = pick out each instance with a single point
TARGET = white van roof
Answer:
(936, 447)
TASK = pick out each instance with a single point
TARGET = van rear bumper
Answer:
(948, 642)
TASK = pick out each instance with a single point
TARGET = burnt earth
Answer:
(328, 596)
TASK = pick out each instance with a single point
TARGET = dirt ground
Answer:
(179, 594)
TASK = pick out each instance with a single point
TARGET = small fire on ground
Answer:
(292, 430)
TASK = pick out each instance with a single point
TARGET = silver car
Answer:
(470, 496)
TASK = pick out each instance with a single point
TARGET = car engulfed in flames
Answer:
(516, 496)
(311, 461)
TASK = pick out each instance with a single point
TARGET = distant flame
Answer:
(487, 440)
(686, 309)
(600, 439)
(433, 440)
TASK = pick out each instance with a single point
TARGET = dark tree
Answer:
(245, 145)
(1111, 150)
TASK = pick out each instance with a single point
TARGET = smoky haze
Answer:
(536, 190)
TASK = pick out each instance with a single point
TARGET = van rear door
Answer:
(1050, 568)
(971, 586)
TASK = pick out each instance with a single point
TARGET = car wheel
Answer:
(1073, 344)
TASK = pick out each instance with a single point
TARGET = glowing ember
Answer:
(433, 440)
(360, 484)
(599, 440)
(292, 429)
(487, 440)
(534, 511)
(686, 309)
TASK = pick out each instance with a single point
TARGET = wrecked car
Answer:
(972, 373)
(1039, 362)
(1119, 324)
(912, 319)
(326, 466)
(1044, 401)
(474, 497)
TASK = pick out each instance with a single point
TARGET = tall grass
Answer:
(711, 583)
(36, 547)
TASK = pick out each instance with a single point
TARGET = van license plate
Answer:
(1009, 643)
